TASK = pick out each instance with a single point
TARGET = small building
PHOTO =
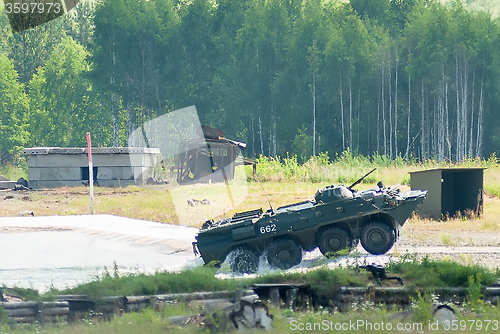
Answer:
(52, 167)
(450, 191)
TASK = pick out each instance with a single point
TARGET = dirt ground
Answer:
(45, 202)
(484, 231)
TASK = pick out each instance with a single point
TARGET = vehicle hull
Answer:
(305, 222)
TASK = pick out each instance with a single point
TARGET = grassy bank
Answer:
(419, 274)
(285, 321)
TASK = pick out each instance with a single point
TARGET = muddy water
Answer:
(64, 251)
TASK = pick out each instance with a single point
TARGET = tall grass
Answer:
(343, 168)
(440, 273)
(188, 280)
(346, 168)
(14, 171)
(323, 281)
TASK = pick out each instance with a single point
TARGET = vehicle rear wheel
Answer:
(284, 253)
(377, 238)
(333, 240)
(242, 260)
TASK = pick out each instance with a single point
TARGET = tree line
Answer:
(409, 78)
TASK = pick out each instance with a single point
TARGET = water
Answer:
(64, 251)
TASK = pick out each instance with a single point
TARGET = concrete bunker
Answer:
(52, 167)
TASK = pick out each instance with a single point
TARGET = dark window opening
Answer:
(85, 173)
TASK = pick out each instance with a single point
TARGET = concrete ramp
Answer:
(64, 251)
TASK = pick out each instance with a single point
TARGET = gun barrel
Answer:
(361, 179)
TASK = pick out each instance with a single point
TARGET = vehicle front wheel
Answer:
(377, 238)
(333, 240)
(242, 260)
(284, 254)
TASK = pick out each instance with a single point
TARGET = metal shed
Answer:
(451, 191)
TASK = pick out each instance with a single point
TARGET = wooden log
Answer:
(209, 306)
(55, 304)
(137, 303)
(238, 294)
(21, 312)
(73, 297)
(199, 295)
(56, 311)
(39, 315)
(274, 296)
(13, 305)
(111, 304)
(445, 292)
(352, 290)
(397, 295)
(492, 291)
(291, 298)
(138, 299)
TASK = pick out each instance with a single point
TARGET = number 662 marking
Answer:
(268, 228)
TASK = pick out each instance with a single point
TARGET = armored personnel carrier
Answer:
(337, 218)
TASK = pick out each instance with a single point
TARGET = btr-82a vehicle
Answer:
(337, 218)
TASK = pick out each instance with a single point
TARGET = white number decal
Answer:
(268, 228)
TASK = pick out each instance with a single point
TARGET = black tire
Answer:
(377, 238)
(333, 240)
(242, 260)
(284, 254)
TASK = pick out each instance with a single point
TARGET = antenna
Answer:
(267, 197)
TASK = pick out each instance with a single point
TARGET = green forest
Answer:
(412, 79)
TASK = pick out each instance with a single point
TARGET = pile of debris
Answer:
(6, 184)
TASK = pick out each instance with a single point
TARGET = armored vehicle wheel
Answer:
(333, 240)
(243, 260)
(377, 238)
(284, 253)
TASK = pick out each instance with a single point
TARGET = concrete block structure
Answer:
(52, 167)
